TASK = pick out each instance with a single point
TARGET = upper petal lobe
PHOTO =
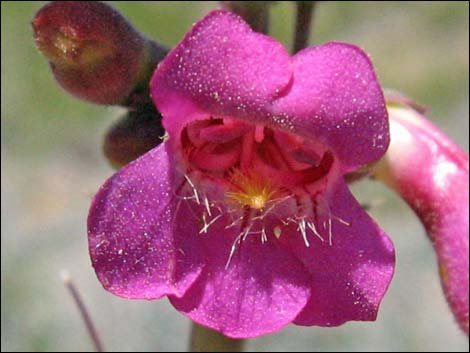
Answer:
(336, 98)
(221, 67)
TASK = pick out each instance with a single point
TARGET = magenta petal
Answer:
(221, 67)
(335, 97)
(262, 289)
(137, 246)
(349, 277)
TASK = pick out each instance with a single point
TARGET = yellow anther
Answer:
(250, 189)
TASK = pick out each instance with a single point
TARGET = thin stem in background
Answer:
(204, 339)
(303, 21)
(255, 13)
(83, 312)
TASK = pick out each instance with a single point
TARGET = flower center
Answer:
(264, 177)
(250, 190)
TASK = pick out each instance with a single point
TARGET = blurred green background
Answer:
(52, 164)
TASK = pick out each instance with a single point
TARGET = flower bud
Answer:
(136, 133)
(431, 174)
(94, 53)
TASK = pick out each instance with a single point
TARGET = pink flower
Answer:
(431, 173)
(242, 217)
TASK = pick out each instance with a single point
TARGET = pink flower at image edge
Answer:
(242, 218)
(431, 173)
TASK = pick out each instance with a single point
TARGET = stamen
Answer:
(185, 198)
(281, 199)
(330, 233)
(246, 225)
(311, 225)
(234, 223)
(303, 232)
(206, 203)
(196, 195)
(203, 221)
(236, 242)
(246, 233)
(207, 225)
(340, 220)
(264, 237)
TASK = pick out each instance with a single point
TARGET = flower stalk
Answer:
(204, 339)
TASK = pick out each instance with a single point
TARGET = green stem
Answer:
(204, 339)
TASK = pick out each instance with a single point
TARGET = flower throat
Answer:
(259, 175)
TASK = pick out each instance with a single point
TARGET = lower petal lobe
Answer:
(138, 247)
(351, 272)
(258, 290)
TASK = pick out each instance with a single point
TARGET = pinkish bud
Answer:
(432, 174)
(94, 53)
(134, 134)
